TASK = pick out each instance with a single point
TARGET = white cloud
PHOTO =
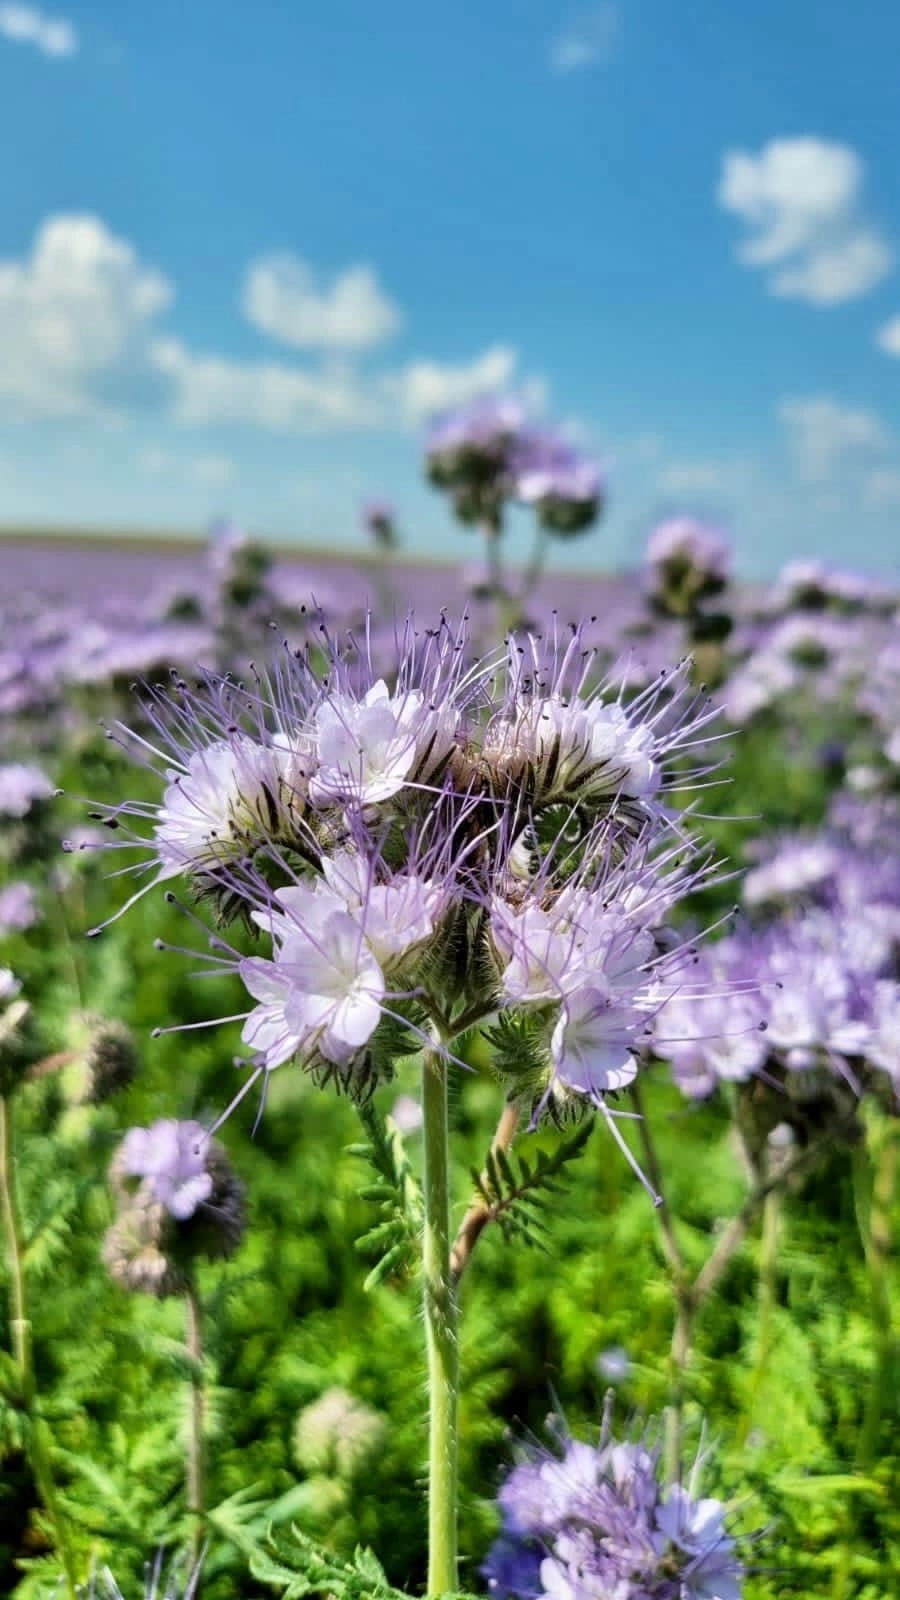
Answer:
(53, 36)
(586, 42)
(801, 200)
(267, 394)
(211, 389)
(826, 437)
(425, 388)
(283, 299)
(888, 337)
(211, 470)
(73, 320)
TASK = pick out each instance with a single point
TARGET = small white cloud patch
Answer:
(801, 202)
(53, 36)
(283, 298)
(586, 42)
(888, 337)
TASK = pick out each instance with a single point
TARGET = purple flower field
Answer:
(568, 884)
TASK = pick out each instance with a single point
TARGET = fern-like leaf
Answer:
(393, 1239)
(512, 1189)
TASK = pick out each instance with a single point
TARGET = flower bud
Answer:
(20, 1045)
(106, 1063)
(337, 1435)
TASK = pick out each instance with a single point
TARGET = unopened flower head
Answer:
(105, 1060)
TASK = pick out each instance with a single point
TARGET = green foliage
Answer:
(394, 1239)
(295, 1314)
(513, 1189)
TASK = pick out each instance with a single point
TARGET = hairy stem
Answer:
(766, 1302)
(20, 1333)
(441, 1330)
(682, 1335)
(195, 1464)
(479, 1213)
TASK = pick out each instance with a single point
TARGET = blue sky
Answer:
(244, 252)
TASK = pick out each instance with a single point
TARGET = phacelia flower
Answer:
(600, 1521)
(188, 1204)
(21, 784)
(687, 562)
(565, 487)
(454, 838)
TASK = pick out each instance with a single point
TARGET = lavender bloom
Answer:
(687, 562)
(566, 488)
(20, 785)
(171, 1156)
(10, 985)
(815, 586)
(188, 1204)
(468, 453)
(404, 838)
(18, 908)
(600, 1525)
(484, 428)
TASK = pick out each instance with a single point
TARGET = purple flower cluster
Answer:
(597, 1523)
(490, 838)
(487, 453)
(21, 784)
(682, 547)
(171, 1157)
(814, 986)
(187, 1204)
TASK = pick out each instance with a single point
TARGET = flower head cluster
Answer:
(597, 1523)
(462, 840)
(187, 1204)
(467, 453)
(687, 562)
(816, 586)
(810, 993)
(487, 453)
(21, 785)
(566, 488)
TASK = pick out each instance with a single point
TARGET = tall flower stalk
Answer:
(441, 1330)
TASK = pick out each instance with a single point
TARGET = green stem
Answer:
(441, 1320)
(767, 1298)
(20, 1332)
(682, 1334)
(195, 1473)
(679, 1360)
(873, 1195)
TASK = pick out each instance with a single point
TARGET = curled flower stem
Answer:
(195, 1464)
(441, 1328)
(479, 1213)
(20, 1333)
